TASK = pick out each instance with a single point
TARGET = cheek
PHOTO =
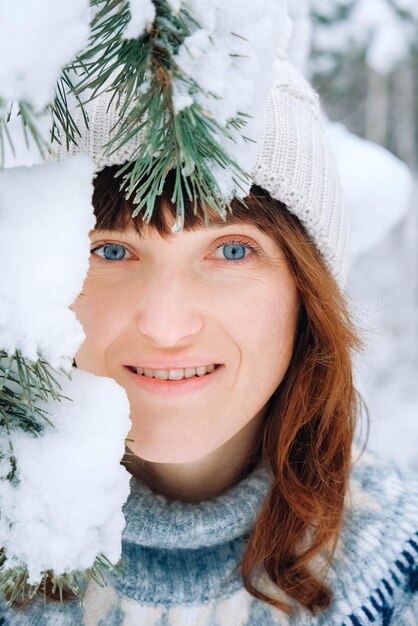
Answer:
(263, 329)
(270, 342)
(264, 326)
(100, 311)
(277, 331)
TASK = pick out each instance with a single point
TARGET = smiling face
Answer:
(220, 297)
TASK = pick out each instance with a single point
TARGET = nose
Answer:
(168, 309)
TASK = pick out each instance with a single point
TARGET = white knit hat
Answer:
(294, 162)
(296, 166)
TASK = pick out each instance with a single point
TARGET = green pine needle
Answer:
(139, 74)
(63, 120)
(23, 385)
(28, 118)
(15, 587)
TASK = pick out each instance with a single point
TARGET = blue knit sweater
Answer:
(181, 561)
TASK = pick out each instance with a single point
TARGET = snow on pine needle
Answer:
(189, 78)
(37, 39)
(190, 93)
(229, 56)
(62, 486)
(142, 16)
(63, 515)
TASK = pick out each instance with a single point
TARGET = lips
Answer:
(174, 373)
(169, 388)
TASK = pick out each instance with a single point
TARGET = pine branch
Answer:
(23, 385)
(139, 74)
(15, 587)
(63, 122)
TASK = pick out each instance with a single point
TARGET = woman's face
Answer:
(220, 298)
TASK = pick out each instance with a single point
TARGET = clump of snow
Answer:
(67, 507)
(230, 57)
(45, 217)
(174, 5)
(377, 187)
(142, 14)
(37, 39)
(376, 22)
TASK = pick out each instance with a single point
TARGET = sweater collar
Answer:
(153, 520)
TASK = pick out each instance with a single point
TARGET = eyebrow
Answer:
(223, 224)
(232, 221)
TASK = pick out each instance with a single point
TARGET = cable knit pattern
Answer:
(294, 162)
(181, 561)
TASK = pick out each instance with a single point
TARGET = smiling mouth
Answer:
(175, 374)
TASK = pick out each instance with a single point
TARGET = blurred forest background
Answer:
(362, 57)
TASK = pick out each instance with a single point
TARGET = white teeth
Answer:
(161, 374)
(175, 374)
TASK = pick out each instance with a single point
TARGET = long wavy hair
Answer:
(310, 421)
(309, 424)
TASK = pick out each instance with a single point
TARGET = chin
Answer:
(182, 454)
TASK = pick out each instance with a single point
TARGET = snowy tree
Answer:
(364, 63)
(383, 31)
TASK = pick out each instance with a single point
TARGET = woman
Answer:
(233, 343)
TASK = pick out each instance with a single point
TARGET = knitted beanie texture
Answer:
(296, 166)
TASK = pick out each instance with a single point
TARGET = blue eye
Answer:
(111, 251)
(235, 250)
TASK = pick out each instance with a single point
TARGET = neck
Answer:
(204, 478)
